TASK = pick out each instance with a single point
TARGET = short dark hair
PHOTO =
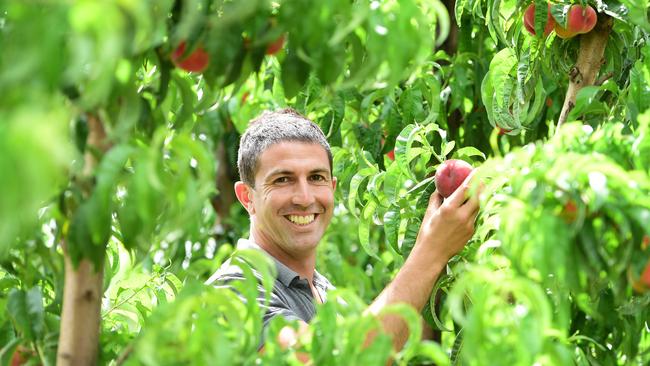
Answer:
(271, 128)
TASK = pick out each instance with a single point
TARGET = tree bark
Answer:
(82, 291)
(590, 59)
(80, 319)
(224, 182)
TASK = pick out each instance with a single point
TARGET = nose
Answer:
(303, 195)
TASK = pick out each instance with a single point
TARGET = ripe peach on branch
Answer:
(569, 212)
(275, 46)
(197, 61)
(642, 284)
(391, 155)
(502, 131)
(529, 20)
(579, 20)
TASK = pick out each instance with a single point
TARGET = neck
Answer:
(302, 263)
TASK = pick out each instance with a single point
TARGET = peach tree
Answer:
(119, 129)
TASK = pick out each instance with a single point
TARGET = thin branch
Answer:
(601, 80)
(128, 298)
(124, 355)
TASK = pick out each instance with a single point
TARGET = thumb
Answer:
(460, 194)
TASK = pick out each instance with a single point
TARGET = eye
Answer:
(281, 180)
(318, 178)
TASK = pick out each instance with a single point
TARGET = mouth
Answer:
(301, 220)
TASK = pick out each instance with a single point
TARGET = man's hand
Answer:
(447, 226)
(289, 337)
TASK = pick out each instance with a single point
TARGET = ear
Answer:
(244, 194)
(334, 180)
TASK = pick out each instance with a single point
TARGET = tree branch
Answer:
(590, 59)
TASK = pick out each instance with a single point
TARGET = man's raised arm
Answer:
(446, 228)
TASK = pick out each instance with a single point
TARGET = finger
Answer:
(473, 192)
(435, 200)
(473, 202)
(474, 214)
(470, 209)
(460, 195)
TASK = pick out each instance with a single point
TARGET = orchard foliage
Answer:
(119, 123)
(587, 250)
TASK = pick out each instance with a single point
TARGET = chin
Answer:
(306, 245)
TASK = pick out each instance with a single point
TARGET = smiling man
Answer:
(290, 201)
(287, 187)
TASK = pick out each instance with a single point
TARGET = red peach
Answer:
(450, 174)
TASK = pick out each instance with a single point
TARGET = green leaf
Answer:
(294, 74)
(412, 230)
(459, 8)
(26, 310)
(184, 115)
(89, 233)
(391, 227)
(469, 151)
(364, 229)
(448, 147)
(586, 102)
(403, 145)
(355, 184)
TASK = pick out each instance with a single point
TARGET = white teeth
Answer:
(301, 220)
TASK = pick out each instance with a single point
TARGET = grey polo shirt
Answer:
(291, 296)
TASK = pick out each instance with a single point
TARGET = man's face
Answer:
(293, 198)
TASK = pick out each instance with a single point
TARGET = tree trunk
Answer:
(225, 179)
(79, 338)
(590, 58)
(450, 45)
(82, 291)
(224, 182)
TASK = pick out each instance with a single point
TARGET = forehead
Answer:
(292, 156)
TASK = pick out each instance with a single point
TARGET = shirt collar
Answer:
(285, 274)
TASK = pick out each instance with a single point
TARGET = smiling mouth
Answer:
(301, 220)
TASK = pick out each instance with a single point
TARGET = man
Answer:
(287, 187)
